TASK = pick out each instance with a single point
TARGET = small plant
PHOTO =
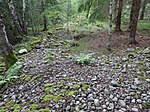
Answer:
(11, 73)
(84, 58)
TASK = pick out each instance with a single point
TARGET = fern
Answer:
(11, 73)
(84, 58)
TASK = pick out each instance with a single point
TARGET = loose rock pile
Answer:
(111, 84)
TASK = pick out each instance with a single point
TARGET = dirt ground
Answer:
(119, 41)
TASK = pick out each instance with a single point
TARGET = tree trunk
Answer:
(135, 14)
(31, 17)
(6, 49)
(143, 9)
(110, 26)
(115, 10)
(118, 18)
(45, 23)
(23, 16)
(131, 14)
(15, 18)
(44, 17)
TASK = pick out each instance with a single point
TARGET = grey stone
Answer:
(111, 96)
(104, 106)
(146, 51)
(115, 99)
(133, 101)
(20, 87)
(134, 109)
(96, 102)
(122, 103)
(139, 100)
(106, 91)
(104, 110)
(2, 103)
(23, 51)
(114, 83)
(136, 81)
(148, 80)
(111, 105)
(130, 49)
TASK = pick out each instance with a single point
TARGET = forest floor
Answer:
(52, 81)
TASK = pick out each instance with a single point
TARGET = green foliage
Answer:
(94, 6)
(84, 58)
(11, 73)
(146, 105)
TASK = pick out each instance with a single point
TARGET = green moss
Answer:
(16, 108)
(26, 78)
(9, 103)
(47, 98)
(33, 106)
(76, 85)
(47, 85)
(44, 110)
(71, 93)
(36, 41)
(35, 77)
(130, 55)
(63, 90)
(48, 89)
(10, 60)
(141, 76)
(57, 98)
(1, 96)
(146, 105)
(106, 62)
(49, 58)
(144, 68)
(141, 62)
(2, 109)
(84, 86)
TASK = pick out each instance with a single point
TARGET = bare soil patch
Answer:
(119, 41)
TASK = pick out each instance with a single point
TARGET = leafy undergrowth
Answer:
(11, 74)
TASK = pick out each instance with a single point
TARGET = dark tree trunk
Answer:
(44, 17)
(143, 9)
(115, 10)
(131, 14)
(135, 14)
(118, 18)
(6, 49)
(45, 23)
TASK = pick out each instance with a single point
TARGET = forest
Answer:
(74, 55)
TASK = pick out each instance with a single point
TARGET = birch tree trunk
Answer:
(23, 15)
(15, 18)
(6, 49)
(118, 18)
(135, 14)
(110, 26)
